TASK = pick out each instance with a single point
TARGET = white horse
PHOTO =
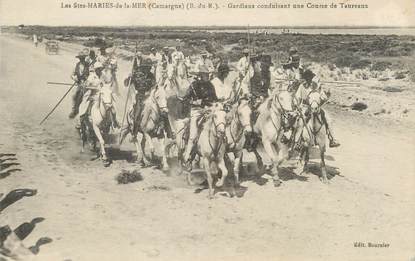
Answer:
(240, 123)
(275, 115)
(314, 133)
(99, 120)
(211, 146)
(148, 125)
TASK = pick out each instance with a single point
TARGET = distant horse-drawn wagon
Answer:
(52, 47)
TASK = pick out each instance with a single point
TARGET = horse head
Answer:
(314, 100)
(106, 96)
(283, 103)
(218, 115)
(243, 114)
(160, 98)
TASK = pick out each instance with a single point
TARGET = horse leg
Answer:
(101, 141)
(237, 166)
(206, 164)
(146, 137)
(139, 157)
(222, 167)
(323, 165)
(306, 155)
(282, 154)
(274, 158)
(166, 144)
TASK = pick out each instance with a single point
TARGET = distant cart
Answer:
(52, 47)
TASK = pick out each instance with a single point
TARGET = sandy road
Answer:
(89, 217)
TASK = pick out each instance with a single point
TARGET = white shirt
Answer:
(177, 55)
(243, 65)
(223, 91)
(206, 62)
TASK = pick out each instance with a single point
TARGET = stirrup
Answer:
(333, 144)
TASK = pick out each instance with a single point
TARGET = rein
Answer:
(236, 120)
(215, 152)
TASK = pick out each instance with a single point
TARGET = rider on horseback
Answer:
(201, 94)
(93, 84)
(312, 84)
(293, 69)
(143, 81)
(79, 75)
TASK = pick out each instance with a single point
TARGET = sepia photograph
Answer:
(207, 130)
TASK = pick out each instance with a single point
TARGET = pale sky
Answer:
(49, 12)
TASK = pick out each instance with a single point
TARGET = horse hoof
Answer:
(325, 181)
(277, 182)
(219, 183)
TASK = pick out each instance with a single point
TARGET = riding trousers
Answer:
(195, 115)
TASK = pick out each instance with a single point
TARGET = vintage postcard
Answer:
(207, 130)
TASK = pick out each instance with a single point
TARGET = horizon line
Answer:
(224, 26)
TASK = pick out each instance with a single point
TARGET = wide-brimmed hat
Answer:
(204, 53)
(245, 50)
(146, 63)
(201, 69)
(82, 53)
(103, 48)
(223, 68)
(293, 50)
(308, 74)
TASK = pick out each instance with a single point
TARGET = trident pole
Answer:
(129, 88)
(59, 102)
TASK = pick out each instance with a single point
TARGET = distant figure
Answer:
(155, 58)
(293, 69)
(161, 67)
(91, 59)
(205, 61)
(35, 41)
(178, 54)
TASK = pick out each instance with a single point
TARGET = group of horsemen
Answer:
(93, 72)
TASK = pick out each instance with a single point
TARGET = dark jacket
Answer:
(204, 91)
(81, 73)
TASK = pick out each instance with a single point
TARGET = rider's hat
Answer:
(292, 50)
(146, 63)
(223, 68)
(204, 53)
(103, 48)
(202, 69)
(83, 54)
(308, 75)
(153, 49)
(245, 50)
(98, 65)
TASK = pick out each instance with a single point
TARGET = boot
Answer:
(76, 102)
(73, 113)
(115, 123)
(333, 143)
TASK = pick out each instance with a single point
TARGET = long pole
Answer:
(128, 92)
(60, 83)
(59, 102)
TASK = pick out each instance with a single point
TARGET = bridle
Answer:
(219, 136)
(233, 122)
